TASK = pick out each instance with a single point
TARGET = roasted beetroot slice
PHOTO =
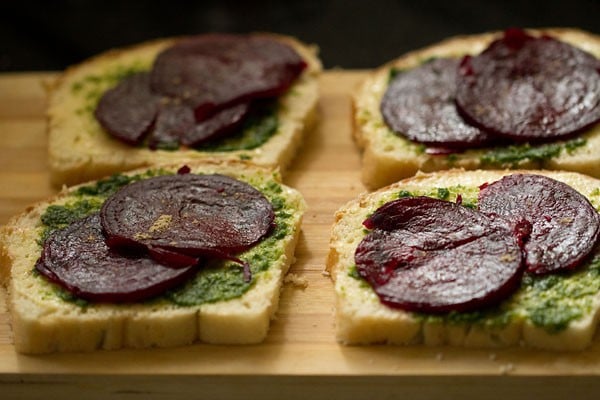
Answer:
(171, 258)
(211, 72)
(433, 256)
(78, 259)
(530, 88)
(221, 123)
(128, 110)
(172, 123)
(419, 105)
(197, 215)
(176, 124)
(565, 225)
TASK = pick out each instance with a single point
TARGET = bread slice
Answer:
(45, 319)
(539, 315)
(388, 157)
(80, 150)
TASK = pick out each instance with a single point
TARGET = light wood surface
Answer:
(300, 358)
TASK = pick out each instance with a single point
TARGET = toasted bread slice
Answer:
(558, 313)
(79, 149)
(388, 157)
(47, 319)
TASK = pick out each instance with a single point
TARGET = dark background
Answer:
(50, 35)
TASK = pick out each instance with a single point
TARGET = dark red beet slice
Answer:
(197, 215)
(128, 110)
(172, 123)
(529, 88)
(219, 124)
(419, 105)
(434, 256)
(176, 125)
(211, 72)
(565, 226)
(171, 258)
(78, 259)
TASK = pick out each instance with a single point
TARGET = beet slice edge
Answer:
(78, 259)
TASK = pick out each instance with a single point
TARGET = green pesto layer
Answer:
(217, 281)
(550, 302)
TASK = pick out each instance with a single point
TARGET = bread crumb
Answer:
(492, 356)
(296, 280)
(439, 356)
(326, 273)
(506, 368)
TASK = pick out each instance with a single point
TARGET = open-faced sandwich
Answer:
(518, 99)
(162, 257)
(482, 258)
(246, 97)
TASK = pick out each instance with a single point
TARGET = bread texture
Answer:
(44, 320)
(556, 313)
(79, 149)
(388, 157)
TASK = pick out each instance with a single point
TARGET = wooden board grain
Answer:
(300, 357)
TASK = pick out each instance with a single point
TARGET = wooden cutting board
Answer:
(300, 358)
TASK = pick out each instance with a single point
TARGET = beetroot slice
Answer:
(199, 89)
(530, 88)
(565, 226)
(128, 110)
(172, 122)
(170, 258)
(419, 105)
(78, 259)
(211, 72)
(197, 215)
(221, 123)
(435, 256)
(176, 125)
